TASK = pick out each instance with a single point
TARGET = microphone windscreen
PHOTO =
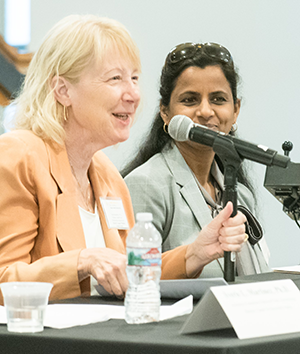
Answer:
(179, 127)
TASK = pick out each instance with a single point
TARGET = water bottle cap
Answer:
(144, 217)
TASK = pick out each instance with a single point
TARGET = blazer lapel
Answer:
(189, 189)
(69, 228)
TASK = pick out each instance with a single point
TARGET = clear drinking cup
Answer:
(25, 304)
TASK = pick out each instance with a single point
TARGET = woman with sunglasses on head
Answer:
(182, 183)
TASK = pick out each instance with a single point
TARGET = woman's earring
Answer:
(165, 128)
(234, 128)
(65, 113)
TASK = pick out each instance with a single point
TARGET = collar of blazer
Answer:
(189, 189)
(69, 227)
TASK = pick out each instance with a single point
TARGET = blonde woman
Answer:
(65, 211)
(80, 95)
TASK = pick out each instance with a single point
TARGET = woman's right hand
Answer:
(223, 233)
(107, 266)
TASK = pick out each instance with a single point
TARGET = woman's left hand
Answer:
(223, 233)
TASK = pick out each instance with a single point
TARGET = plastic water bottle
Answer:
(142, 300)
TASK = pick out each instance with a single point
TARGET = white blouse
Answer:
(93, 235)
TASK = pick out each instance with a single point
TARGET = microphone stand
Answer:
(231, 160)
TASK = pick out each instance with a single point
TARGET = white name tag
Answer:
(114, 213)
(252, 309)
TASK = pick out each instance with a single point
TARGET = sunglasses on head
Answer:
(189, 50)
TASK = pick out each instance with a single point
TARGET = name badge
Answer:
(114, 213)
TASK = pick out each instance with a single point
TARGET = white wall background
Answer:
(263, 37)
(2, 17)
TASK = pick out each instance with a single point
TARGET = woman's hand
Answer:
(223, 233)
(107, 266)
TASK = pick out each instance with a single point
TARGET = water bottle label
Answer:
(144, 256)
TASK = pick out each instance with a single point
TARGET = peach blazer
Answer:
(41, 234)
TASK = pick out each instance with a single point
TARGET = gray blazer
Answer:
(165, 186)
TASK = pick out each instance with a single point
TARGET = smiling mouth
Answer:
(212, 127)
(121, 116)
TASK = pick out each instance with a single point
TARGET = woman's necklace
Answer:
(86, 194)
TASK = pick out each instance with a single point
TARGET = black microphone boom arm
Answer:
(256, 153)
(231, 160)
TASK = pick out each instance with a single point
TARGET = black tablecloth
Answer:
(116, 336)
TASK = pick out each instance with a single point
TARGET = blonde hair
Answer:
(69, 47)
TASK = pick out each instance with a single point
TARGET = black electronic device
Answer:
(284, 184)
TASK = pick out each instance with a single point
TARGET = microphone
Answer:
(182, 128)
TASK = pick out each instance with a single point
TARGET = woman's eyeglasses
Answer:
(189, 50)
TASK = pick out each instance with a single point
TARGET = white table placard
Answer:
(253, 309)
